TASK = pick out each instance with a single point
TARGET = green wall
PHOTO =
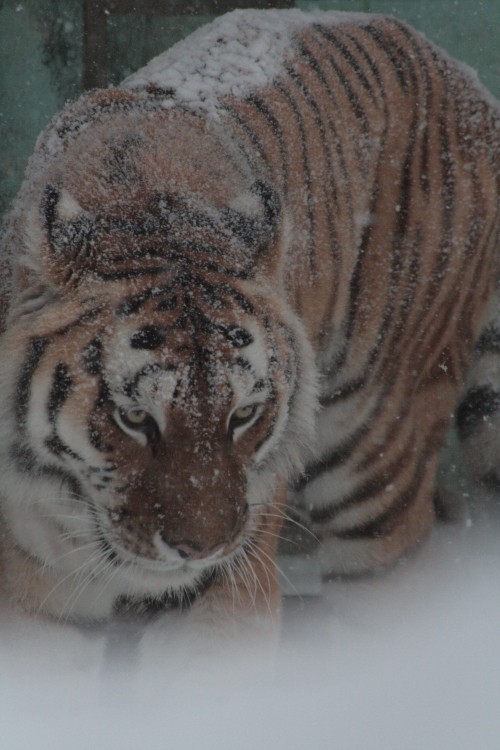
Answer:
(41, 53)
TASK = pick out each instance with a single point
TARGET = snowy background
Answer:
(405, 661)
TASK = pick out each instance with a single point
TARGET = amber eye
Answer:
(244, 413)
(241, 416)
(134, 417)
(138, 421)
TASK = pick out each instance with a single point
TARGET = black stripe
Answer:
(277, 131)
(168, 304)
(333, 138)
(130, 386)
(320, 124)
(384, 524)
(129, 273)
(370, 486)
(341, 453)
(62, 384)
(148, 337)
(427, 91)
(238, 297)
(447, 190)
(49, 204)
(447, 181)
(400, 246)
(133, 304)
(348, 57)
(353, 98)
(213, 295)
(478, 404)
(370, 63)
(399, 238)
(396, 55)
(345, 391)
(27, 462)
(300, 125)
(334, 458)
(446, 195)
(249, 132)
(311, 214)
(241, 271)
(92, 356)
(58, 447)
(489, 340)
(97, 442)
(405, 305)
(103, 401)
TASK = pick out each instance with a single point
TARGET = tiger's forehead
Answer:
(179, 356)
(126, 157)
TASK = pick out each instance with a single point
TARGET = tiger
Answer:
(243, 286)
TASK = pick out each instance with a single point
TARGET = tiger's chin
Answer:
(145, 578)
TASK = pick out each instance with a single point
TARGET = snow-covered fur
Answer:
(256, 269)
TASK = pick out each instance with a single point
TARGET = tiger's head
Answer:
(154, 385)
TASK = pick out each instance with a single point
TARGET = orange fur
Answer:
(342, 220)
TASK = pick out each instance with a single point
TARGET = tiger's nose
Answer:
(191, 551)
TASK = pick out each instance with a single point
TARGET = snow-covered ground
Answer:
(407, 661)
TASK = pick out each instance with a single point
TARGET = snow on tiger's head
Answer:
(114, 177)
(146, 368)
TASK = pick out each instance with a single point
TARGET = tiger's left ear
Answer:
(70, 237)
(56, 239)
(69, 228)
(254, 216)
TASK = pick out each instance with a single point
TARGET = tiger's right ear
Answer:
(253, 216)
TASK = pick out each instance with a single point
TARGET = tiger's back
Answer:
(313, 236)
(392, 251)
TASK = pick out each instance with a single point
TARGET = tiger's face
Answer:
(145, 435)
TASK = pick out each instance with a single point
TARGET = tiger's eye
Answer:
(241, 417)
(245, 412)
(138, 421)
(135, 416)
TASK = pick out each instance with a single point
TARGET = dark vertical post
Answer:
(95, 32)
(95, 44)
